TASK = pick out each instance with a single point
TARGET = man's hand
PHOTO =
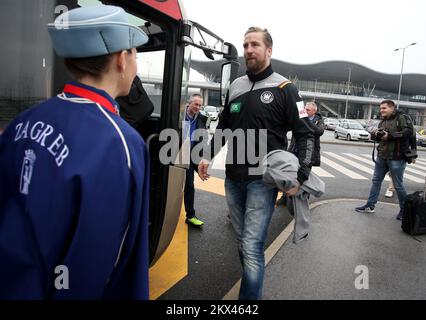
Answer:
(292, 192)
(386, 136)
(202, 169)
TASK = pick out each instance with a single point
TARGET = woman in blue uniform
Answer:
(74, 176)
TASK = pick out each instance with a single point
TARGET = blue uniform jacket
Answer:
(74, 200)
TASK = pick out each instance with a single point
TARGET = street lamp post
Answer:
(347, 93)
(315, 89)
(402, 69)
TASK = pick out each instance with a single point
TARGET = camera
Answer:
(380, 133)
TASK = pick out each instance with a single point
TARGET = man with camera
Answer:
(393, 135)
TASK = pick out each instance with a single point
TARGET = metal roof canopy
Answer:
(412, 84)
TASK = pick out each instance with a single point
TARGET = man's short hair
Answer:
(193, 96)
(312, 103)
(267, 39)
(388, 102)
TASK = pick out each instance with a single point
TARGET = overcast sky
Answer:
(310, 31)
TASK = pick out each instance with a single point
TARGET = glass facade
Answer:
(338, 109)
(341, 88)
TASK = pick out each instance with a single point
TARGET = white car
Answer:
(211, 112)
(351, 130)
(330, 123)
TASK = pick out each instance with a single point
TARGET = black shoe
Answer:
(365, 209)
(399, 216)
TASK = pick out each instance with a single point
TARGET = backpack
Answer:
(411, 153)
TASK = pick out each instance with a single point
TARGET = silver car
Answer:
(330, 123)
(351, 130)
(211, 112)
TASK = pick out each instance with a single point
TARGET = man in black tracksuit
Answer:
(260, 101)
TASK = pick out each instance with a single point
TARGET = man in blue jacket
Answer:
(194, 120)
(74, 176)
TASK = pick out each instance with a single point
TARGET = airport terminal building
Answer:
(343, 89)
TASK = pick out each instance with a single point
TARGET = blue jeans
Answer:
(397, 168)
(251, 205)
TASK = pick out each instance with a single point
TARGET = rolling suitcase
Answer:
(414, 214)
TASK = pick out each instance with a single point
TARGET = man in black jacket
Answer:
(194, 120)
(265, 105)
(318, 127)
(315, 121)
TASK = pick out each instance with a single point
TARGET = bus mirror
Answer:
(231, 52)
(229, 73)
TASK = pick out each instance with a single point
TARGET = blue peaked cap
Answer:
(94, 31)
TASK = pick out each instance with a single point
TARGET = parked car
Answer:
(372, 126)
(351, 130)
(422, 132)
(421, 140)
(209, 119)
(362, 122)
(330, 123)
(211, 112)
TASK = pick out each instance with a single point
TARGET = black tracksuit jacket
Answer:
(265, 101)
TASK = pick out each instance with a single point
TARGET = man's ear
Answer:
(121, 61)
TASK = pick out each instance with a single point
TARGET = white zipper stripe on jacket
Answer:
(126, 148)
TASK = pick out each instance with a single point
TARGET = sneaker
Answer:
(194, 221)
(399, 216)
(365, 209)
(389, 193)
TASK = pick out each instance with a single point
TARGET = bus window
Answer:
(26, 56)
(151, 71)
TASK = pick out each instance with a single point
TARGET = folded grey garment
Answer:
(314, 185)
(280, 170)
(283, 180)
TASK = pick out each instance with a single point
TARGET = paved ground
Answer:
(323, 266)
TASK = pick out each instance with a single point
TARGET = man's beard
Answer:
(255, 66)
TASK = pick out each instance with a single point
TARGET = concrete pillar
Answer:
(205, 95)
(370, 111)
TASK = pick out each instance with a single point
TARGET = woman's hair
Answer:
(93, 66)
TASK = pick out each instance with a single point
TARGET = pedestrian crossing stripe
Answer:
(409, 167)
(322, 173)
(360, 167)
(354, 166)
(345, 171)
